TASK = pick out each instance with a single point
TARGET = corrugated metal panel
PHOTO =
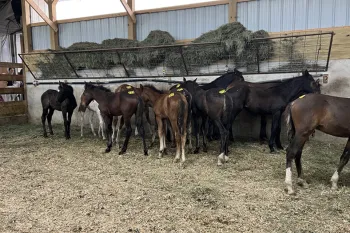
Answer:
(182, 24)
(34, 17)
(287, 15)
(41, 37)
(93, 30)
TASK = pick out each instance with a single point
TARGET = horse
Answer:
(61, 100)
(116, 104)
(328, 114)
(172, 107)
(92, 108)
(224, 80)
(118, 122)
(216, 105)
(274, 100)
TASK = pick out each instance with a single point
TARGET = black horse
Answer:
(62, 100)
(274, 99)
(215, 105)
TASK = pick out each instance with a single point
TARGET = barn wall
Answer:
(92, 30)
(288, 15)
(182, 24)
(41, 37)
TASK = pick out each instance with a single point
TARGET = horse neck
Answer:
(99, 95)
(293, 89)
(153, 96)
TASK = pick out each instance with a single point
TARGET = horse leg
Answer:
(197, 124)
(141, 130)
(177, 135)
(92, 124)
(161, 136)
(70, 113)
(108, 122)
(120, 126)
(82, 114)
(263, 135)
(154, 130)
(223, 134)
(64, 115)
(166, 127)
(189, 133)
(49, 118)
(43, 119)
(128, 134)
(275, 120)
(101, 125)
(204, 133)
(294, 152)
(114, 127)
(278, 136)
(344, 159)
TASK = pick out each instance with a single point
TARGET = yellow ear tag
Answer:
(128, 87)
(131, 92)
(180, 89)
(222, 91)
(178, 85)
(300, 97)
(171, 94)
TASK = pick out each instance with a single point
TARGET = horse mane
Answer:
(154, 88)
(287, 81)
(100, 87)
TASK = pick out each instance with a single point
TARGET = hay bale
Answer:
(151, 58)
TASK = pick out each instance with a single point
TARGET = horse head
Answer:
(310, 84)
(65, 91)
(191, 86)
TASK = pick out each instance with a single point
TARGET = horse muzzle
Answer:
(82, 108)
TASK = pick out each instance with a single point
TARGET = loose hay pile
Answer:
(234, 43)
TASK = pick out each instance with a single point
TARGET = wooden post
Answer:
(232, 11)
(27, 31)
(52, 17)
(131, 24)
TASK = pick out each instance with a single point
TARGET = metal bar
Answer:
(123, 49)
(257, 55)
(70, 64)
(329, 51)
(24, 62)
(301, 35)
(183, 60)
(120, 61)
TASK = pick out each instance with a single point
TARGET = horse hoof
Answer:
(122, 152)
(334, 187)
(226, 158)
(45, 135)
(280, 148)
(205, 149)
(176, 160)
(165, 152)
(107, 150)
(196, 151)
(52, 133)
(272, 151)
(145, 152)
(173, 146)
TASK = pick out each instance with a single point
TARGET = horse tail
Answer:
(181, 116)
(289, 122)
(139, 113)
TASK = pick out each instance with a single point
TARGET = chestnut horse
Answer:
(326, 113)
(172, 107)
(116, 104)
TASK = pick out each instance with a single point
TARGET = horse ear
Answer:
(141, 87)
(306, 73)
(195, 80)
(184, 79)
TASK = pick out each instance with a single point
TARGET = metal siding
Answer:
(93, 30)
(253, 23)
(182, 24)
(314, 14)
(264, 15)
(41, 37)
(242, 12)
(276, 16)
(326, 19)
(288, 15)
(301, 15)
(340, 12)
(34, 17)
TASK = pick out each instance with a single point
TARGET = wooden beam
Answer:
(14, 90)
(131, 23)
(232, 11)
(130, 8)
(42, 15)
(12, 108)
(27, 31)
(11, 65)
(53, 33)
(8, 77)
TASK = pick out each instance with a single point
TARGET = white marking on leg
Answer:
(92, 124)
(288, 180)
(334, 180)
(226, 158)
(82, 124)
(161, 146)
(136, 131)
(220, 159)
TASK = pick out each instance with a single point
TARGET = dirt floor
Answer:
(54, 185)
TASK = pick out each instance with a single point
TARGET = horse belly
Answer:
(335, 126)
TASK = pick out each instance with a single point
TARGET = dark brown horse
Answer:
(172, 107)
(326, 113)
(112, 104)
(118, 122)
(62, 100)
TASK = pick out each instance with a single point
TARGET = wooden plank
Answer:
(27, 32)
(183, 7)
(8, 77)
(131, 23)
(232, 11)
(11, 65)
(129, 10)
(12, 90)
(43, 15)
(14, 120)
(53, 33)
(12, 108)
